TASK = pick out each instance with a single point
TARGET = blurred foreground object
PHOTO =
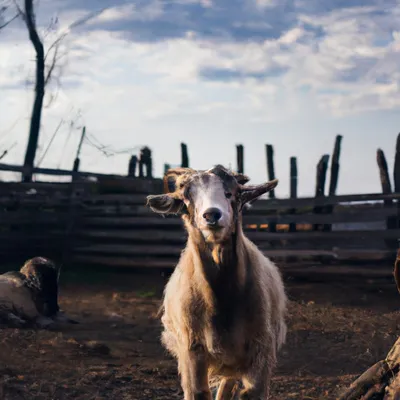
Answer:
(382, 380)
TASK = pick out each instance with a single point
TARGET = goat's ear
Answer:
(165, 204)
(251, 193)
(172, 175)
(241, 178)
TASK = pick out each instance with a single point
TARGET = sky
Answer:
(212, 74)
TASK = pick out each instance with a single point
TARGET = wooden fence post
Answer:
(77, 160)
(132, 166)
(384, 174)
(396, 177)
(270, 167)
(293, 188)
(271, 175)
(386, 189)
(335, 166)
(145, 160)
(184, 156)
(322, 168)
(334, 177)
(240, 158)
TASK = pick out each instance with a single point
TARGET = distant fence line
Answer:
(107, 223)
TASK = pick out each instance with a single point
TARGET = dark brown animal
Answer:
(224, 305)
(30, 297)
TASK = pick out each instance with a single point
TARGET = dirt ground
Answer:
(336, 330)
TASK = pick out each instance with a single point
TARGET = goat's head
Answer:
(41, 276)
(210, 201)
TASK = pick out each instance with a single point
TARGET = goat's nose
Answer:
(212, 215)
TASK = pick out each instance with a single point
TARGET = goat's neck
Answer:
(218, 263)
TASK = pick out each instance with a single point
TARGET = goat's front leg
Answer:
(193, 368)
(227, 389)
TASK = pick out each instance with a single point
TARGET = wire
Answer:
(64, 147)
(5, 152)
(107, 150)
(50, 142)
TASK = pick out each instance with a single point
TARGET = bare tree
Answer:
(42, 78)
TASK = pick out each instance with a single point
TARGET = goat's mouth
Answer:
(214, 227)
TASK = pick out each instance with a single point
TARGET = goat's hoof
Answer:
(204, 395)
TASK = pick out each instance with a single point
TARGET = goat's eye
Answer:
(228, 195)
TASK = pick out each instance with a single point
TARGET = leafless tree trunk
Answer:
(39, 91)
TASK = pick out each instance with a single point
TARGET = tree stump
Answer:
(382, 380)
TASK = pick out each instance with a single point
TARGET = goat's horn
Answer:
(249, 193)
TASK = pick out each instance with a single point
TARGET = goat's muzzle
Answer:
(212, 216)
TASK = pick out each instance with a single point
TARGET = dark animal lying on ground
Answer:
(224, 306)
(30, 297)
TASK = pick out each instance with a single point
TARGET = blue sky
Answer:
(292, 73)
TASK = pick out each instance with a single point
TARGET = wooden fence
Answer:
(107, 223)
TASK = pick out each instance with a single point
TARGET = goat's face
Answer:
(210, 201)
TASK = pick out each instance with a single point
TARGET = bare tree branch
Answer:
(9, 21)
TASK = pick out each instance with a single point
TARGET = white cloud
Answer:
(124, 12)
(337, 64)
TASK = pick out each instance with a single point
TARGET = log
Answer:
(371, 377)
(393, 390)
(382, 380)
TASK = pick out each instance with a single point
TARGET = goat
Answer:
(224, 306)
(29, 297)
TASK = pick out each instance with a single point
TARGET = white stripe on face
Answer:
(208, 192)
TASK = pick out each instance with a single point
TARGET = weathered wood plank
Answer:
(154, 235)
(297, 268)
(275, 204)
(137, 210)
(132, 221)
(38, 217)
(350, 216)
(339, 254)
(313, 271)
(57, 172)
(133, 249)
(155, 220)
(180, 236)
(150, 250)
(259, 205)
(118, 261)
